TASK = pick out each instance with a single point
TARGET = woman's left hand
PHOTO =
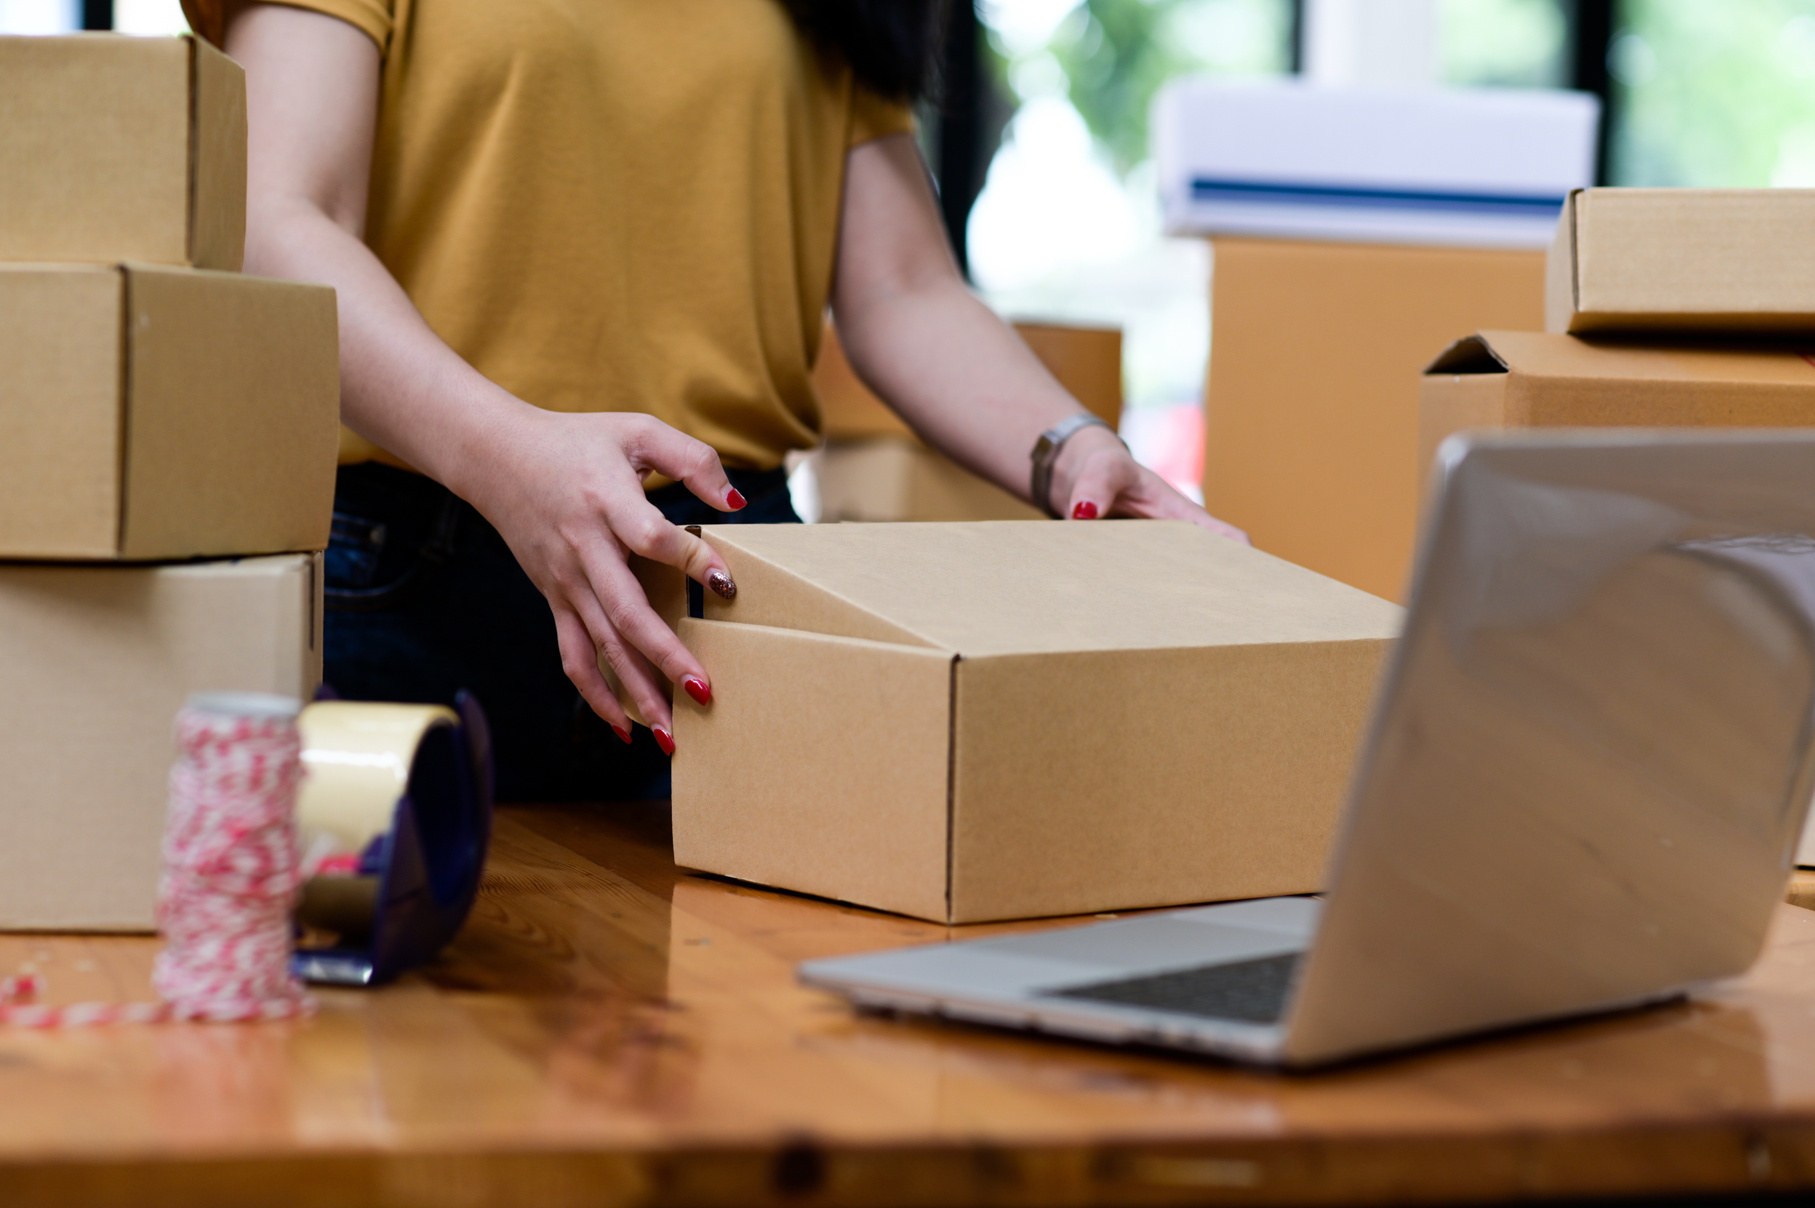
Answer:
(1095, 477)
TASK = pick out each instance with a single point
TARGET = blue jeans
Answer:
(424, 598)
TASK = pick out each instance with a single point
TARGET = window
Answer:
(1068, 227)
(1714, 94)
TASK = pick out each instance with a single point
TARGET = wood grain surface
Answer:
(609, 1031)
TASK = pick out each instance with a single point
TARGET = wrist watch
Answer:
(1046, 451)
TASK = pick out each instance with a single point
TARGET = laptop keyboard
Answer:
(1253, 991)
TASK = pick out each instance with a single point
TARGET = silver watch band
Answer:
(1046, 451)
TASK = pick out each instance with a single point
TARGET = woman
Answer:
(583, 249)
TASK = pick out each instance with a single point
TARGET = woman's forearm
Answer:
(312, 105)
(402, 387)
(982, 397)
(983, 400)
(954, 371)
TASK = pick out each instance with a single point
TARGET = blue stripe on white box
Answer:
(1446, 166)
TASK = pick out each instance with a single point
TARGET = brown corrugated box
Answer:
(94, 663)
(1676, 260)
(1525, 379)
(873, 468)
(988, 721)
(889, 478)
(1311, 405)
(158, 413)
(115, 148)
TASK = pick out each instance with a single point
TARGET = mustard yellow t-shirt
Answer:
(615, 205)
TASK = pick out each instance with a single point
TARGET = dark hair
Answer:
(891, 46)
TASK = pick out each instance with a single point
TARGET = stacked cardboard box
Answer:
(1664, 308)
(873, 467)
(1352, 230)
(167, 447)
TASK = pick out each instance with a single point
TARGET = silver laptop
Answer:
(1582, 788)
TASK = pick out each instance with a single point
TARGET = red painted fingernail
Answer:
(622, 733)
(664, 740)
(735, 500)
(1085, 510)
(698, 689)
(721, 584)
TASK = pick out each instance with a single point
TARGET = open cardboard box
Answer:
(1677, 260)
(158, 413)
(966, 722)
(118, 148)
(1524, 379)
(95, 661)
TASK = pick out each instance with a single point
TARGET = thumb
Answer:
(1096, 488)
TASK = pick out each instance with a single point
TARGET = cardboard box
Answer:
(116, 148)
(968, 722)
(94, 663)
(157, 413)
(1476, 167)
(1311, 404)
(1525, 379)
(1714, 260)
(892, 478)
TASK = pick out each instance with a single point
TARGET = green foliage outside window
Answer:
(1714, 93)
(1109, 58)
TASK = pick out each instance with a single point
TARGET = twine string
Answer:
(230, 877)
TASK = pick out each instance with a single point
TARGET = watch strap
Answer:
(1046, 452)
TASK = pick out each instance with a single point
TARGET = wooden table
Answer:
(610, 1031)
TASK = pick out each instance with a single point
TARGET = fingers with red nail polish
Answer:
(698, 689)
(1085, 510)
(734, 500)
(664, 740)
(721, 584)
(622, 732)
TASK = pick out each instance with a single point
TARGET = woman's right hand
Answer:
(565, 490)
(566, 493)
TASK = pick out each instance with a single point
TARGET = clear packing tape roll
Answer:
(394, 818)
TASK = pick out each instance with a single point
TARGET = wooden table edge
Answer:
(1723, 1156)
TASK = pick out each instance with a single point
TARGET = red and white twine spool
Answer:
(230, 876)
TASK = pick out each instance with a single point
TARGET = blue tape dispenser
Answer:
(394, 817)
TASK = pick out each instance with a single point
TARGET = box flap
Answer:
(1545, 354)
(1471, 354)
(61, 443)
(1560, 269)
(1026, 587)
(217, 159)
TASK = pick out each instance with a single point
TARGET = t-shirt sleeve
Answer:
(371, 17)
(873, 117)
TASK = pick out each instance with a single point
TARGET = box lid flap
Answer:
(1026, 587)
(1547, 355)
(1471, 354)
